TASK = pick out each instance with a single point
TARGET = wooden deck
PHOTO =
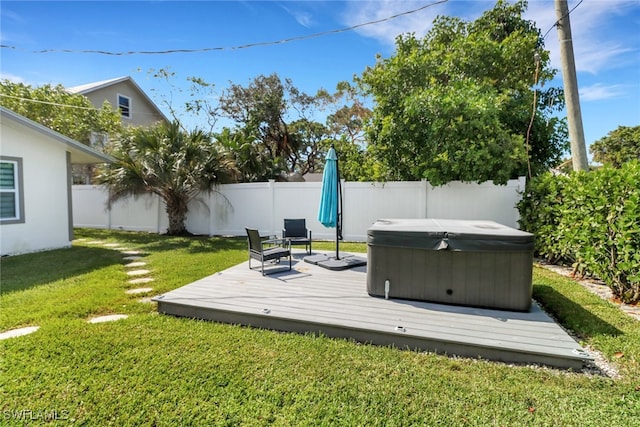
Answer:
(335, 303)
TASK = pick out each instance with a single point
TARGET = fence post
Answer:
(423, 188)
(108, 210)
(159, 213)
(272, 211)
(211, 213)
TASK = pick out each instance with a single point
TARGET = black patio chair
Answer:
(296, 232)
(272, 252)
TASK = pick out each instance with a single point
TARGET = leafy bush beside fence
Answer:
(592, 220)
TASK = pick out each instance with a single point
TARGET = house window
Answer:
(124, 104)
(11, 206)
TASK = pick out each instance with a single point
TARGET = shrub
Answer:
(591, 219)
(540, 215)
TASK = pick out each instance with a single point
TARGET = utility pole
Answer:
(574, 115)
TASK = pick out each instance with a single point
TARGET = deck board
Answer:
(335, 303)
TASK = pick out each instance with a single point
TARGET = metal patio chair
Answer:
(296, 232)
(266, 250)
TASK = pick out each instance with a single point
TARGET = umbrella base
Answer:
(331, 263)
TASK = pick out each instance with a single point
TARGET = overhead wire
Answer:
(560, 19)
(57, 104)
(246, 46)
(535, 90)
(48, 103)
(287, 40)
(257, 44)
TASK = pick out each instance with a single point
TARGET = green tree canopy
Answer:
(457, 104)
(280, 117)
(275, 130)
(72, 115)
(166, 160)
(618, 147)
(254, 163)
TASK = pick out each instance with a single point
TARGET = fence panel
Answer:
(265, 205)
(365, 202)
(90, 207)
(458, 200)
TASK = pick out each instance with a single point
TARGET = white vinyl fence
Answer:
(265, 205)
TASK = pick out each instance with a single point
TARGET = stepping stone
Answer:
(132, 258)
(111, 245)
(139, 291)
(135, 264)
(131, 252)
(18, 332)
(137, 272)
(146, 300)
(140, 280)
(108, 318)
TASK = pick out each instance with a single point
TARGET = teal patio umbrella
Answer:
(329, 213)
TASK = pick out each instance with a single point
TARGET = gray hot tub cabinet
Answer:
(461, 262)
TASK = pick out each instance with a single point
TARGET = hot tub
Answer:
(462, 262)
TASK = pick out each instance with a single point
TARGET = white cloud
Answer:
(12, 78)
(303, 18)
(600, 91)
(594, 44)
(10, 15)
(420, 22)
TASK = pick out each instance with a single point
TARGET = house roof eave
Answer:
(80, 153)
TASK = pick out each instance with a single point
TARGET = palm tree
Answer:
(176, 165)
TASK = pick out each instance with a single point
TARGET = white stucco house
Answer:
(35, 184)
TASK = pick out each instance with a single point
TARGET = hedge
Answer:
(591, 220)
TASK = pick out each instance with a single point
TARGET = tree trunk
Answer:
(177, 213)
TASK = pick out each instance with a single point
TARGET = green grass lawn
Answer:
(152, 369)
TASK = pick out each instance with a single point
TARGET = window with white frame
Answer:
(124, 104)
(11, 205)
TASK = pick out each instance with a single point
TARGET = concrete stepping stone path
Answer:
(136, 264)
(18, 332)
(140, 280)
(131, 255)
(134, 256)
(131, 252)
(107, 318)
(139, 291)
(137, 272)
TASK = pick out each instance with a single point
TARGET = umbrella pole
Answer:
(338, 207)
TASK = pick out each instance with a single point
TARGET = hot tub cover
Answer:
(448, 234)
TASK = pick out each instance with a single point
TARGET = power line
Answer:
(246, 46)
(557, 21)
(57, 104)
(49, 103)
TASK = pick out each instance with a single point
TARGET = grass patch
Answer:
(152, 369)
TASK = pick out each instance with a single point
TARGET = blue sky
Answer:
(605, 32)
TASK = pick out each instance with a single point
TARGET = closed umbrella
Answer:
(329, 211)
(330, 215)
